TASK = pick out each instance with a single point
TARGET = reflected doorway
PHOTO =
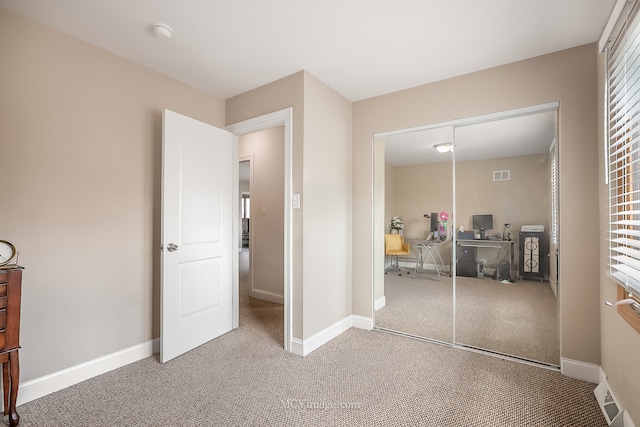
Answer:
(244, 244)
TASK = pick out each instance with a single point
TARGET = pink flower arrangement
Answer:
(444, 217)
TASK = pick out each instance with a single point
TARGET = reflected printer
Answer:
(532, 228)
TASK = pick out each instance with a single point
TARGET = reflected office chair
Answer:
(395, 246)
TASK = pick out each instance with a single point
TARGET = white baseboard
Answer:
(326, 335)
(580, 370)
(361, 322)
(592, 373)
(412, 265)
(267, 296)
(379, 303)
(429, 267)
(48, 384)
(297, 347)
(304, 347)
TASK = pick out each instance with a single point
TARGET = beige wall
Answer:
(81, 139)
(322, 148)
(524, 199)
(420, 189)
(326, 202)
(390, 194)
(384, 178)
(568, 77)
(620, 342)
(267, 211)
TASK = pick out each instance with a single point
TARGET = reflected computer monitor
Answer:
(483, 222)
(434, 222)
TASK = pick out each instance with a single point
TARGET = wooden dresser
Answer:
(10, 292)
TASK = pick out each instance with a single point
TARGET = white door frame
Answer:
(378, 207)
(277, 118)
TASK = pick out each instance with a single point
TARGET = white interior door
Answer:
(197, 239)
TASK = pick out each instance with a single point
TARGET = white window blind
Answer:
(623, 148)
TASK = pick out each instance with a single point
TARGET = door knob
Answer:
(172, 247)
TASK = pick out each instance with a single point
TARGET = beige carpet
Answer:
(518, 319)
(361, 378)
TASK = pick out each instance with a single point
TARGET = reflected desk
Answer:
(470, 252)
(428, 253)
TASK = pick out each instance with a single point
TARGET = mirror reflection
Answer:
(477, 222)
(418, 191)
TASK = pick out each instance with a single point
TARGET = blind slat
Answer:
(624, 243)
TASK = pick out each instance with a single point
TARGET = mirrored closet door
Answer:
(504, 302)
(418, 192)
(477, 220)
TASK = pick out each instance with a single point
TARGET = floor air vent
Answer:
(610, 407)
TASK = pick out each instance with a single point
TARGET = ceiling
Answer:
(486, 138)
(360, 48)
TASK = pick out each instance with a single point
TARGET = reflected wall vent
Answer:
(502, 175)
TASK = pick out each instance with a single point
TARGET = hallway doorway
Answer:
(281, 119)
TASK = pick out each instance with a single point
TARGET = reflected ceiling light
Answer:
(445, 147)
(162, 31)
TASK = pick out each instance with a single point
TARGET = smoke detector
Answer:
(162, 31)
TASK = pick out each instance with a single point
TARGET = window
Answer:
(245, 206)
(623, 154)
